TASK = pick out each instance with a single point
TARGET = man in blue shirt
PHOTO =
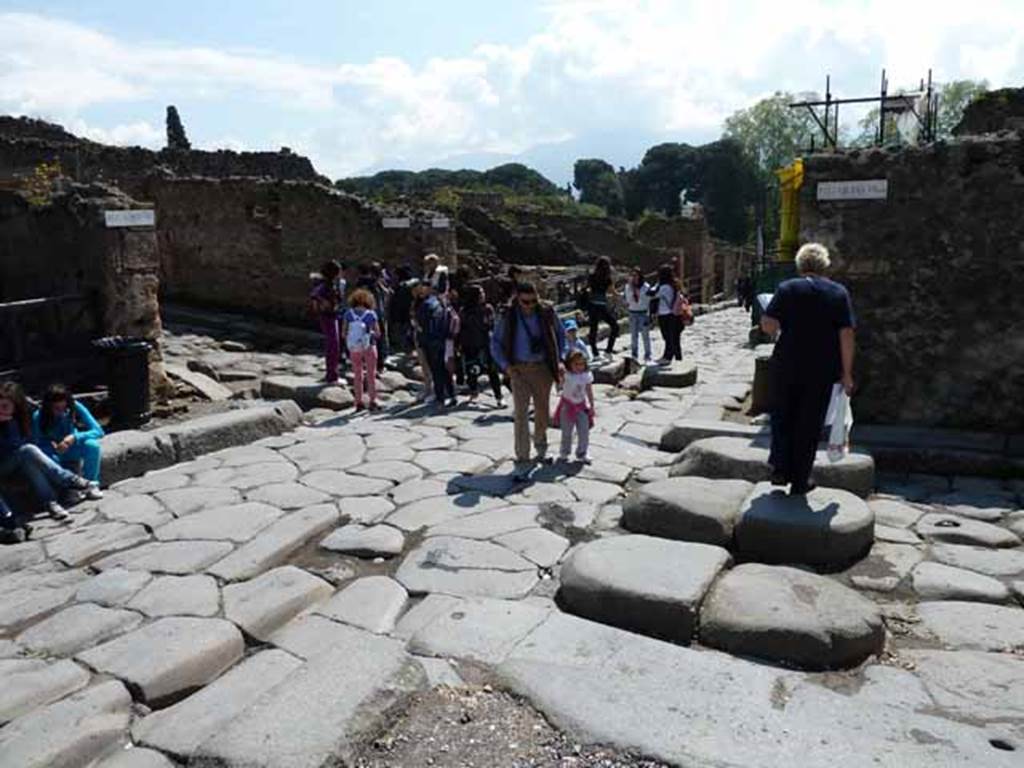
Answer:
(813, 352)
(529, 345)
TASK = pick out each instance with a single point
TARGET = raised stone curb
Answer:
(677, 436)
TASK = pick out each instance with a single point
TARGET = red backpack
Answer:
(681, 308)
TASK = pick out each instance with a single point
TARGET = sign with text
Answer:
(440, 222)
(395, 223)
(860, 189)
(138, 218)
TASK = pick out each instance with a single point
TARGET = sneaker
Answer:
(79, 484)
(16, 535)
(93, 493)
(584, 459)
(563, 457)
(57, 512)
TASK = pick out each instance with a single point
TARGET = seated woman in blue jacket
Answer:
(67, 432)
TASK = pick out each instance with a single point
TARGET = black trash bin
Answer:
(127, 366)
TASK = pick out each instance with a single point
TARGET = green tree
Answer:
(771, 134)
(598, 184)
(663, 175)
(726, 183)
(953, 100)
(176, 138)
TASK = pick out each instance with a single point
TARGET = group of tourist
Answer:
(55, 449)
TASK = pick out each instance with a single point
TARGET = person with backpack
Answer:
(529, 344)
(477, 323)
(371, 278)
(434, 331)
(598, 310)
(324, 302)
(66, 431)
(669, 295)
(361, 328)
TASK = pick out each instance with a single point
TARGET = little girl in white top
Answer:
(576, 406)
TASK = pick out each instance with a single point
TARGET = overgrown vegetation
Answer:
(40, 186)
(389, 186)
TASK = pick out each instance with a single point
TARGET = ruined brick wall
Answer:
(937, 273)
(250, 244)
(691, 235)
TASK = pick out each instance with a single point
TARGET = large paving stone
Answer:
(953, 529)
(69, 733)
(453, 461)
(114, 587)
(373, 603)
(263, 604)
(538, 545)
(596, 491)
(740, 458)
(827, 527)
(641, 583)
(687, 508)
(168, 659)
(703, 708)
(340, 451)
(80, 545)
(423, 612)
(76, 628)
(238, 522)
(1005, 563)
(186, 501)
(972, 684)
(894, 513)
(466, 568)
(417, 490)
(287, 495)
(490, 523)
(141, 509)
(31, 683)
(153, 482)
(972, 626)
(440, 509)
(308, 393)
(365, 510)
(176, 557)
(195, 595)
(345, 688)
(25, 596)
(311, 635)
(885, 567)
(183, 727)
(15, 557)
(934, 581)
(363, 541)
(252, 475)
(346, 484)
(393, 471)
(478, 630)
(136, 757)
(784, 614)
(274, 544)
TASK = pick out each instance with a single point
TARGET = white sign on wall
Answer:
(440, 222)
(138, 218)
(395, 223)
(860, 189)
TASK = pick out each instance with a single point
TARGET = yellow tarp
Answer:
(791, 178)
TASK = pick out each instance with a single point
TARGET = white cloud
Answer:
(598, 65)
(141, 134)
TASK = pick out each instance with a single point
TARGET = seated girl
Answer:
(66, 432)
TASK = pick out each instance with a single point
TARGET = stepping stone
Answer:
(394, 471)
(954, 529)
(168, 659)
(466, 568)
(361, 541)
(679, 374)
(538, 545)
(185, 501)
(144, 510)
(641, 583)
(80, 545)
(262, 605)
(307, 392)
(180, 729)
(885, 567)
(792, 616)
(74, 731)
(195, 595)
(77, 628)
(287, 495)
(478, 630)
(745, 459)
(441, 509)
(274, 544)
(972, 626)
(827, 527)
(687, 508)
(365, 509)
(136, 757)
(487, 525)
(453, 461)
(373, 603)
(176, 557)
(347, 687)
(31, 683)
(345, 484)
(1003, 563)
(238, 523)
(972, 684)
(933, 581)
(895, 514)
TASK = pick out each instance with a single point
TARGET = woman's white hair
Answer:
(812, 258)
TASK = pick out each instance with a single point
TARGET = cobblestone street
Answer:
(272, 604)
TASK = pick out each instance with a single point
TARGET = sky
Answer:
(360, 87)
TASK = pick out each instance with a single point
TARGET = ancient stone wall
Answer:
(936, 271)
(250, 244)
(689, 235)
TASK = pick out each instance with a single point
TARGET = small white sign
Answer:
(440, 222)
(861, 189)
(138, 218)
(395, 223)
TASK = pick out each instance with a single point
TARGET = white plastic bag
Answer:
(840, 416)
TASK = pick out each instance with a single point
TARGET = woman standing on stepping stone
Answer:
(815, 349)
